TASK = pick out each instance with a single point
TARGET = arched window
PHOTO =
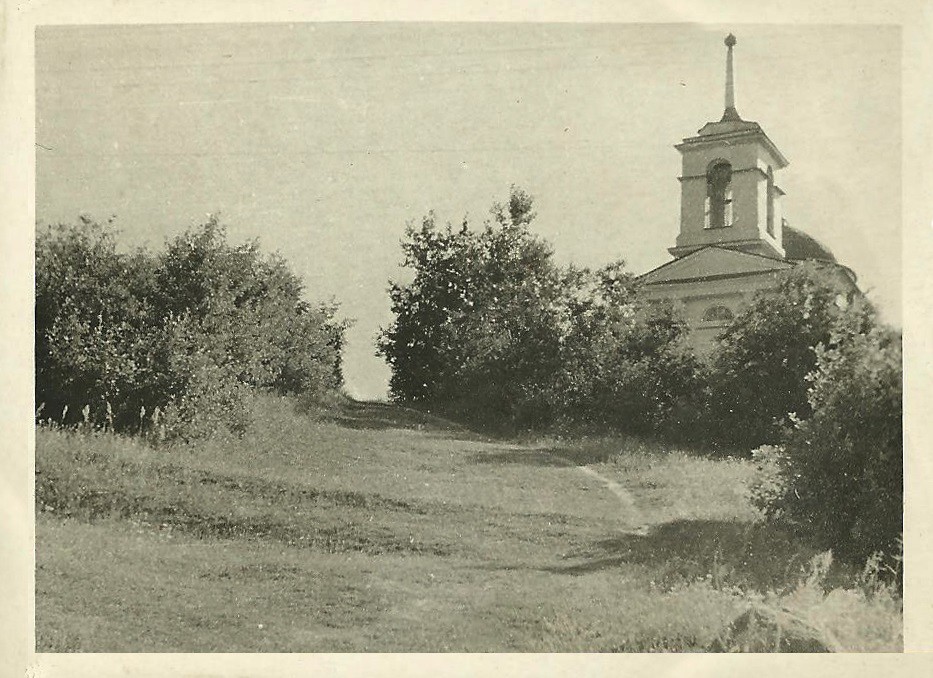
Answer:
(717, 314)
(770, 196)
(719, 195)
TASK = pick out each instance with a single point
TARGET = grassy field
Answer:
(380, 529)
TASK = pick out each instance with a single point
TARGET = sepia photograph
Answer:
(465, 337)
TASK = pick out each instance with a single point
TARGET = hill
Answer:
(378, 528)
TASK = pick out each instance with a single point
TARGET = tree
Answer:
(474, 325)
(759, 370)
(623, 363)
(96, 341)
(247, 311)
(491, 328)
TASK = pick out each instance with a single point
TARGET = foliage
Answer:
(247, 312)
(490, 328)
(823, 611)
(757, 380)
(768, 486)
(477, 299)
(97, 341)
(840, 474)
(122, 338)
(622, 364)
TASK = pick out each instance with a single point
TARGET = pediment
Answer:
(713, 262)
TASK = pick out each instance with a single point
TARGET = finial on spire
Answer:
(730, 113)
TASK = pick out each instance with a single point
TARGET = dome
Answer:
(799, 245)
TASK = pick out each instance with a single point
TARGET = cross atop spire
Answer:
(730, 113)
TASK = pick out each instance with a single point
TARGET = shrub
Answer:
(247, 313)
(757, 380)
(864, 614)
(839, 476)
(768, 486)
(623, 364)
(97, 341)
(185, 332)
(211, 401)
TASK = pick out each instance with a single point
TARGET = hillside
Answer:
(383, 529)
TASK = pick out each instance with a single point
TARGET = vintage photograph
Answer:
(468, 337)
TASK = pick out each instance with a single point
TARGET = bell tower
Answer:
(728, 194)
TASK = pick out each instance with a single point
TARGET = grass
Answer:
(381, 529)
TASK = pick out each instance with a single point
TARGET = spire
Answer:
(730, 112)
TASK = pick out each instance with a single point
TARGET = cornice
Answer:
(763, 174)
(727, 137)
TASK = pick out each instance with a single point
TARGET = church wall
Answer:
(694, 298)
(762, 194)
(750, 162)
(765, 159)
(692, 209)
(748, 216)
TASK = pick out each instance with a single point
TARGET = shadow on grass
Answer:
(554, 456)
(522, 457)
(759, 556)
(452, 424)
(378, 416)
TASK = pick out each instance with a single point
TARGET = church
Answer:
(734, 240)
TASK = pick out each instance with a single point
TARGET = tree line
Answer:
(492, 331)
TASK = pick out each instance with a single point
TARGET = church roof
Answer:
(711, 262)
(714, 262)
(729, 126)
(799, 245)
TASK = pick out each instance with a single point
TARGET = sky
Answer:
(324, 140)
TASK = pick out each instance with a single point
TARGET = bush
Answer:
(122, 338)
(839, 476)
(213, 400)
(623, 364)
(246, 311)
(865, 614)
(97, 341)
(758, 373)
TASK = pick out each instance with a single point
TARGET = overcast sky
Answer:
(323, 140)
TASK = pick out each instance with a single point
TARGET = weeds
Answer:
(866, 616)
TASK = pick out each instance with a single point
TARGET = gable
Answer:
(713, 262)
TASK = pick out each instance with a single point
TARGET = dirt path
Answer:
(629, 513)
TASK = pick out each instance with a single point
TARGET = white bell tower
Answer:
(728, 193)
